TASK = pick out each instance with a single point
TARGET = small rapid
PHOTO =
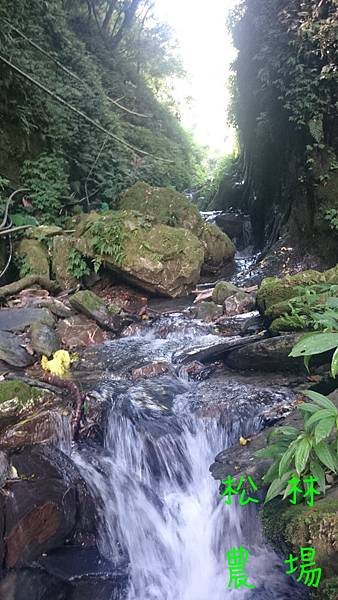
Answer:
(160, 509)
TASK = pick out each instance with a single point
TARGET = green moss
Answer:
(222, 291)
(35, 257)
(164, 205)
(219, 247)
(16, 396)
(274, 290)
(288, 323)
(88, 300)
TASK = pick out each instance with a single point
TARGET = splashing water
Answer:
(159, 504)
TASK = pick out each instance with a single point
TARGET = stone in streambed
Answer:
(222, 291)
(80, 332)
(208, 311)
(17, 319)
(218, 247)
(18, 398)
(12, 352)
(92, 306)
(44, 339)
(239, 303)
(267, 355)
(155, 257)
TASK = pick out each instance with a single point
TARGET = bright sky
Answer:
(206, 51)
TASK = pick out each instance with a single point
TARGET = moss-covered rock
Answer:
(62, 247)
(222, 291)
(17, 398)
(44, 232)
(288, 528)
(218, 246)
(152, 256)
(164, 205)
(92, 306)
(168, 207)
(34, 257)
(274, 290)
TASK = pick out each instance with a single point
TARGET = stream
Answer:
(160, 509)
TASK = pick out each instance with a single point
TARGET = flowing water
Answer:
(159, 506)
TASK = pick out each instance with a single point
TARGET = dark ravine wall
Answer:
(284, 109)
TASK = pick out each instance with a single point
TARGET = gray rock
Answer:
(92, 306)
(221, 346)
(44, 339)
(270, 354)
(239, 303)
(17, 319)
(249, 323)
(12, 352)
(208, 311)
(222, 291)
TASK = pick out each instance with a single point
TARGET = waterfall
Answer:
(157, 501)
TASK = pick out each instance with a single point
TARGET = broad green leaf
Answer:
(272, 472)
(286, 459)
(307, 363)
(316, 343)
(289, 431)
(325, 455)
(308, 407)
(323, 413)
(320, 399)
(324, 428)
(272, 451)
(334, 364)
(278, 486)
(318, 472)
(302, 454)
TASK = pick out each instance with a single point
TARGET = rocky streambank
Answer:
(225, 341)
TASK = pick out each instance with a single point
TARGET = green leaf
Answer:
(272, 472)
(302, 454)
(326, 456)
(324, 428)
(308, 407)
(322, 413)
(334, 364)
(320, 399)
(315, 343)
(319, 473)
(286, 459)
(272, 451)
(278, 486)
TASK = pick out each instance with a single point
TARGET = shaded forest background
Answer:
(110, 60)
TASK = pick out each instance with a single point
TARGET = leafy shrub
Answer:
(107, 239)
(77, 264)
(312, 451)
(316, 307)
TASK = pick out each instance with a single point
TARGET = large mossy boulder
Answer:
(155, 257)
(274, 290)
(168, 207)
(33, 256)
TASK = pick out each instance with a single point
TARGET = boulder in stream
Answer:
(12, 351)
(222, 291)
(17, 319)
(271, 354)
(155, 257)
(44, 339)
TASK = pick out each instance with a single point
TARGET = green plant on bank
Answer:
(303, 453)
(331, 216)
(77, 264)
(315, 307)
(22, 266)
(107, 240)
(47, 181)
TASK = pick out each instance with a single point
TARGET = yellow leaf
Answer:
(58, 365)
(244, 441)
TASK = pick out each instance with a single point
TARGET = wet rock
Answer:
(42, 510)
(44, 427)
(12, 352)
(125, 298)
(17, 399)
(208, 311)
(274, 290)
(29, 584)
(55, 306)
(195, 370)
(95, 420)
(79, 332)
(151, 370)
(44, 339)
(34, 256)
(239, 303)
(270, 354)
(222, 291)
(231, 224)
(155, 257)
(17, 319)
(62, 247)
(247, 323)
(211, 350)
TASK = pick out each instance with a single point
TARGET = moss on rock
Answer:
(222, 291)
(35, 257)
(62, 247)
(218, 246)
(17, 397)
(153, 256)
(274, 290)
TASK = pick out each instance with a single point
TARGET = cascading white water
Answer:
(158, 500)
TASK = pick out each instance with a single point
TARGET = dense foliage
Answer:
(285, 111)
(109, 60)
